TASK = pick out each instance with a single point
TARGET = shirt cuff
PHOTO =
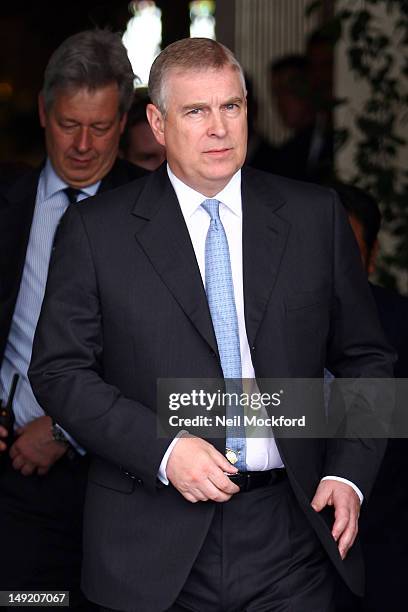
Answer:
(161, 474)
(351, 484)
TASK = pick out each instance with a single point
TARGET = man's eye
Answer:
(194, 111)
(231, 107)
(100, 130)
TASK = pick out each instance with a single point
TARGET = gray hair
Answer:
(189, 54)
(90, 59)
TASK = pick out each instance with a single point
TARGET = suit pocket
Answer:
(110, 476)
(306, 300)
(307, 312)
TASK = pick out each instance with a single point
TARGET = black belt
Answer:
(247, 481)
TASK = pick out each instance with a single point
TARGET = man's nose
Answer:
(83, 139)
(217, 125)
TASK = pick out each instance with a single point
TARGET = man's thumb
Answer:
(319, 501)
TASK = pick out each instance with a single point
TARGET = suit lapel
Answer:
(162, 234)
(16, 214)
(264, 241)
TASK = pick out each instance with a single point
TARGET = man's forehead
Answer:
(68, 92)
(203, 73)
(181, 82)
(77, 101)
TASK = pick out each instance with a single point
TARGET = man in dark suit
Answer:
(139, 286)
(88, 88)
(384, 532)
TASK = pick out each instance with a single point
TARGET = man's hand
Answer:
(35, 449)
(346, 511)
(3, 434)
(196, 469)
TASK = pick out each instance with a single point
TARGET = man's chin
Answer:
(85, 176)
(222, 173)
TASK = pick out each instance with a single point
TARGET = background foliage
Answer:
(380, 59)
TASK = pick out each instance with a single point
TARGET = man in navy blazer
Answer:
(167, 527)
(82, 107)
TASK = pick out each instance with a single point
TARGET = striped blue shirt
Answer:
(50, 204)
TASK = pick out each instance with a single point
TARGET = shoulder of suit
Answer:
(117, 199)
(123, 171)
(15, 188)
(293, 192)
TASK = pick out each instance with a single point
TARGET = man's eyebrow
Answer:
(233, 100)
(193, 105)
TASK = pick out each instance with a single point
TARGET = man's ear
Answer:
(156, 121)
(41, 110)
(372, 260)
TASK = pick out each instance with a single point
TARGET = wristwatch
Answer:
(58, 435)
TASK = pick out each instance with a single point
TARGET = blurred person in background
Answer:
(383, 524)
(137, 143)
(260, 152)
(308, 153)
(320, 59)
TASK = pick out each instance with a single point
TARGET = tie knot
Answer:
(212, 207)
(72, 194)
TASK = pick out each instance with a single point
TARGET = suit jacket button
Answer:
(139, 481)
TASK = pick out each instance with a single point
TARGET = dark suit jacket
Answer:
(125, 305)
(17, 202)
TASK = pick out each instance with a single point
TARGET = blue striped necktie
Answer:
(220, 295)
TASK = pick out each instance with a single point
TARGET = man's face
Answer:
(292, 100)
(205, 127)
(143, 149)
(82, 131)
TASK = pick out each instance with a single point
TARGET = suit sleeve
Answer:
(66, 371)
(356, 350)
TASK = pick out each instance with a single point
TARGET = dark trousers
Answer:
(260, 555)
(41, 529)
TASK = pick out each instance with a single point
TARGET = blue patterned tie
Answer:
(221, 301)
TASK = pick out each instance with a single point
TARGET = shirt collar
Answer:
(190, 200)
(53, 183)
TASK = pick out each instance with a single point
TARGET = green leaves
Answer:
(380, 61)
(360, 25)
